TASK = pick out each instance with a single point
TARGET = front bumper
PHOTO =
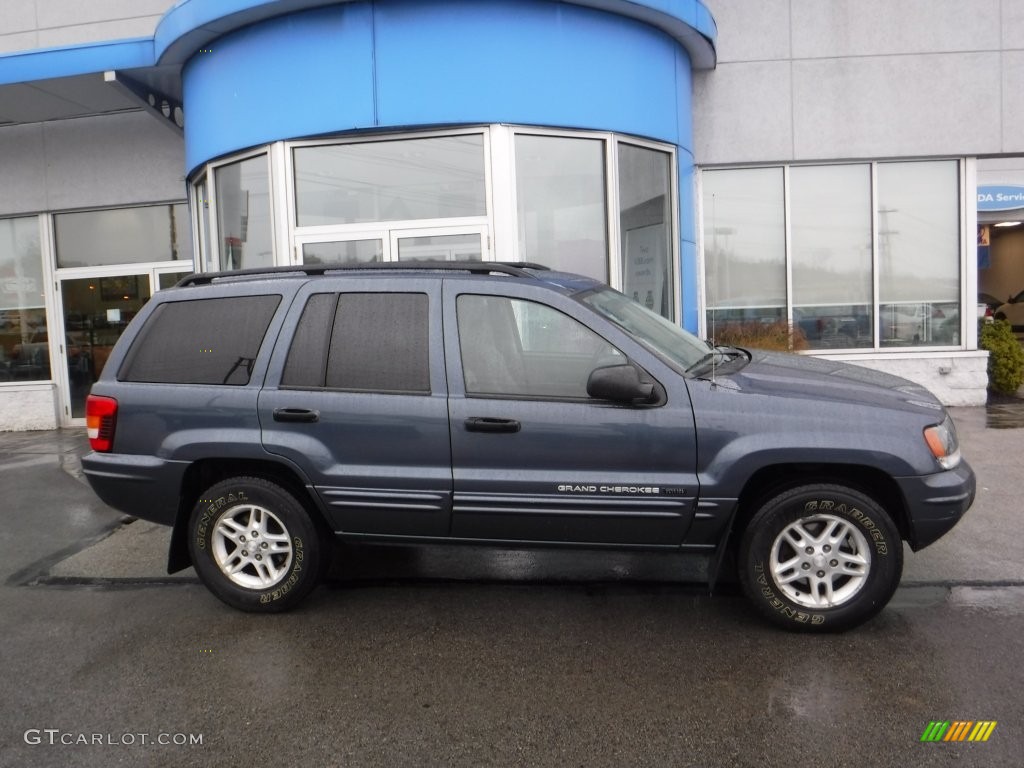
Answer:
(935, 503)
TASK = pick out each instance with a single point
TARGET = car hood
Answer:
(796, 376)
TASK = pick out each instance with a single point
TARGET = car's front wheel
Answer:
(254, 545)
(820, 558)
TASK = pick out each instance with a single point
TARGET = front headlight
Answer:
(943, 443)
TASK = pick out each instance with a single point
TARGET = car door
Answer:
(356, 398)
(534, 458)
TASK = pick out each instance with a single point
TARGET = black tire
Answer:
(862, 565)
(289, 554)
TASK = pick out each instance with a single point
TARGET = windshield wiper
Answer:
(728, 353)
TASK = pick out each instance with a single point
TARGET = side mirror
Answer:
(620, 384)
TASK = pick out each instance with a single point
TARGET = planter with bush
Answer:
(1005, 357)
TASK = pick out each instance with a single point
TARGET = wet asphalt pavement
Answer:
(469, 657)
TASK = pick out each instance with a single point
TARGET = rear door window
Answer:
(364, 342)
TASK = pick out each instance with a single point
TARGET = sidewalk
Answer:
(97, 545)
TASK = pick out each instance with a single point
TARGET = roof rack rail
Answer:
(516, 269)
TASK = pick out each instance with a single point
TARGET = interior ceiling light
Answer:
(1008, 224)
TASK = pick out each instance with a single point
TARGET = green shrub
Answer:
(780, 336)
(1005, 357)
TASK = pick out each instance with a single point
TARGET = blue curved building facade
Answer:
(307, 131)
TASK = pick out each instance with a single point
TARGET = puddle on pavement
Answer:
(1005, 415)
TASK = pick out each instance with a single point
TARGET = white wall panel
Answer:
(895, 106)
(101, 31)
(18, 41)
(770, 18)
(1012, 102)
(67, 13)
(837, 28)
(742, 113)
(23, 171)
(17, 16)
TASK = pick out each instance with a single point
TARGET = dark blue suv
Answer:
(261, 413)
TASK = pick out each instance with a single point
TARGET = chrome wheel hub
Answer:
(820, 561)
(251, 546)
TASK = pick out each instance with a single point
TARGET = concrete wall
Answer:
(843, 79)
(27, 24)
(28, 406)
(955, 378)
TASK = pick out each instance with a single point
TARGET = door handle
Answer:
(488, 424)
(302, 415)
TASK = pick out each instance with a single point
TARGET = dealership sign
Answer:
(1000, 198)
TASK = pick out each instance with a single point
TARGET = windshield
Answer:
(660, 335)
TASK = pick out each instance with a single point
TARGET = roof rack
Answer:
(516, 269)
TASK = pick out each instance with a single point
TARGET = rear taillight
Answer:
(100, 420)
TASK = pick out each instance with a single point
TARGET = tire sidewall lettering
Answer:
(783, 608)
(817, 506)
(211, 511)
(298, 554)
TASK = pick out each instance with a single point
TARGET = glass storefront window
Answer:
(645, 226)
(123, 236)
(408, 179)
(343, 252)
(834, 254)
(24, 343)
(560, 186)
(919, 253)
(830, 242)
(243, 214)
(392, 197)
(745, 245)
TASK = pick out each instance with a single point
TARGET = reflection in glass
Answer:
(744, 245)
(343, 252)
(24, 346)
(440, 248)
(96, 312)
(830, 241)
(560, 185)
(243, 214)
(910, 323)
(432, 178)
(123, 236)
(919, 252)
(645, 224)
(169, 279)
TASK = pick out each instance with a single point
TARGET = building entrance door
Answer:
(95, 310)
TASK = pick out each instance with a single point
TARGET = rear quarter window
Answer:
(205, 341)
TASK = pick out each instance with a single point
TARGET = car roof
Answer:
(567, 282)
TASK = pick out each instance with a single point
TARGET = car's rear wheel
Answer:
(820, 558)
(254, 545)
